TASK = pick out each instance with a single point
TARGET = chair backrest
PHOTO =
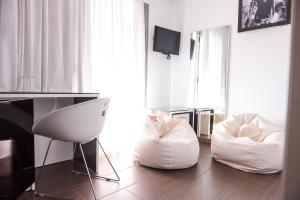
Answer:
(80, 123)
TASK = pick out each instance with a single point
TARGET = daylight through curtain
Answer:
(78, 46)
(118, 64)
(44, 46)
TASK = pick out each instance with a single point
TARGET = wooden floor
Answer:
(207, 180)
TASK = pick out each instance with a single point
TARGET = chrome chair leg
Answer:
(108, 179)
(87, 170)
(41, 170)
(95, 175)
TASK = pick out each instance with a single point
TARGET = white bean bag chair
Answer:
(250, 143)
(172, 145)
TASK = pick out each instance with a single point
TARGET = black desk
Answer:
(16, 120)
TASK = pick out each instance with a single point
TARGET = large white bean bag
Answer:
(173, 145)
(250, 143)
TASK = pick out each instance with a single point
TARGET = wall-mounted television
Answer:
(166, 41)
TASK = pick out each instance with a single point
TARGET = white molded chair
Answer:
(79, 123)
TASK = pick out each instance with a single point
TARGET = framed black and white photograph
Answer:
(256, 14)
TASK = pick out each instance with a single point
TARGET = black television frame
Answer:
(156, 29)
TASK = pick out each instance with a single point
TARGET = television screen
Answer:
(166, 41)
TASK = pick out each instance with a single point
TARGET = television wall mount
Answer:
(167, 55)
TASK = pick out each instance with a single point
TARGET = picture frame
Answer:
(257, 14)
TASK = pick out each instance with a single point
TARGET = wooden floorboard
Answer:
(208, 180)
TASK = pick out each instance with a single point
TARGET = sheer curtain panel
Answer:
(210, 68)
(78, 46)
(118, 64)
(44, 45)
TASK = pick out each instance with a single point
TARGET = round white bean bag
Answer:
(173, 145)
(250, 143)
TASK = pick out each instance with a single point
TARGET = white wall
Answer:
(259, 60)
(59, 151)
(158, 90)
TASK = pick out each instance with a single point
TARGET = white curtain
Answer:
(75, 46)
(78, 46)
(209, 68)
(44, 45)
(65, 45)
(118, 64)
(13, 31)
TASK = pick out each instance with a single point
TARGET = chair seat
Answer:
(79, 123)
